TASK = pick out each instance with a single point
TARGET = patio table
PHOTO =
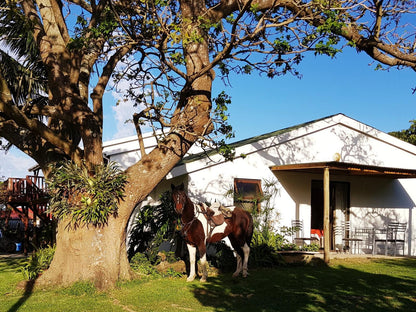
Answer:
(362, 236)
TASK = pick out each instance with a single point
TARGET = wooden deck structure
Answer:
(28, 198)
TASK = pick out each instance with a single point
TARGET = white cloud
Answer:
(15, 164)
(123, 111)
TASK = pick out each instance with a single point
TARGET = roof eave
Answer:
(350, 169)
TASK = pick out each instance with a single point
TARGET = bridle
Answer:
(180, 201)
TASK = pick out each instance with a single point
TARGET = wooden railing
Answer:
(26, 189)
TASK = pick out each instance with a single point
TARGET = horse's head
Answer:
(179, 197)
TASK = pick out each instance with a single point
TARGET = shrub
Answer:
(38, 262)
(172, 273)
(141, 264)
(311, 247)
(168, 256)
(152, 226)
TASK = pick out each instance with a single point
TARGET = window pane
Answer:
(247, 192)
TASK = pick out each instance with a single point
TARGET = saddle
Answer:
(216, 213)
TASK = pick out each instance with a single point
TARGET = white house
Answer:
(369, 175)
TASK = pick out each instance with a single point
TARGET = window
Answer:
(247, 193)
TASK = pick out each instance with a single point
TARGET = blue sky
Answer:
(346, 84)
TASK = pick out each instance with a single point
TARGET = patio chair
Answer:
(297, 235)
(366, 235)
(393, 235)
(351, 239)
(338, 231)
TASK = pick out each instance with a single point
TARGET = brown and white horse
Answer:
(198, 231)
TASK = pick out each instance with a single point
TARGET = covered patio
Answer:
(334, 168)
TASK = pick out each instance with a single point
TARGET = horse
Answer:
(200, 228)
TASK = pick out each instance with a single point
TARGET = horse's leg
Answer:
(203, 261)
(202, 249)
(246, 250)
(192, 261)
(239, 265)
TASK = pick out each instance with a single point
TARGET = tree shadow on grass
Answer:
(13, 264)
(309, 289)
(27, 293)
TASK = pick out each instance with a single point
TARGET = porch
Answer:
(331, 222)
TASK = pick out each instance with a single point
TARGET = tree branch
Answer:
(11, 112)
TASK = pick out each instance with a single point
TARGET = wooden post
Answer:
(26, 230)
(327, 235)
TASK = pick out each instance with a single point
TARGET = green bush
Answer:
(38, 262)
(312, 247)
(172, 273)
(152, 226)
(168, 256)
(266, 244)
(141, 265)
(264, 255)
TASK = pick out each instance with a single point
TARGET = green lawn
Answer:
(355, 284)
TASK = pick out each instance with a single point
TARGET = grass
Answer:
(354, 284)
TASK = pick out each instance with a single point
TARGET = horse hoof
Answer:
(190, 279)
(203, 279)
(236, 275)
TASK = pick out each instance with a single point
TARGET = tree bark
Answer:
(89, 254)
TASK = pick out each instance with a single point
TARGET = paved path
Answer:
(12, 255)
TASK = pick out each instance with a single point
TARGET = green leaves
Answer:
(105, 27)
(331, 29)
(86, 199)
(223, 128)
(152, 226)
(222, 101)
(408, 135)
(38, 262)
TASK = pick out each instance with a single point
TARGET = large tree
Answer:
(167, 51)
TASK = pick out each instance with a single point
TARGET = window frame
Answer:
(241, 199)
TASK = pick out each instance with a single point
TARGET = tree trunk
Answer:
(89, 254)
(99, 254)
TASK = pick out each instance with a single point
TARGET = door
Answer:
(339, 207)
